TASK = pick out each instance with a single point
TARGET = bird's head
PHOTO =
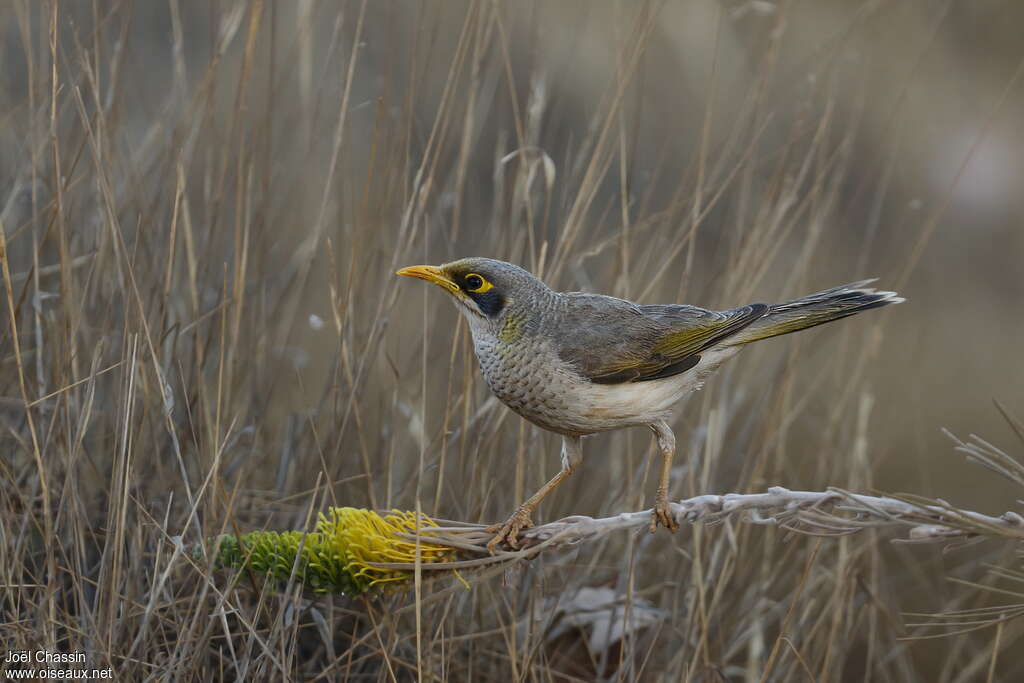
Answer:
(489, 293)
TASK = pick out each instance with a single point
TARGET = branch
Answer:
(354, 551)
(834, 512)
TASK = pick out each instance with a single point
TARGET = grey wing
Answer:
(612, 341)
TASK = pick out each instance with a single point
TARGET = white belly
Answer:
(611, 406)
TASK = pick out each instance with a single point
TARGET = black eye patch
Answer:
(490, 302)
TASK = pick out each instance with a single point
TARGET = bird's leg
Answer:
(572, 455)
(667, 443)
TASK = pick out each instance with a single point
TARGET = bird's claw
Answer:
(662, 515)
(509, 531)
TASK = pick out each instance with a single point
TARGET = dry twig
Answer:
(834, 512)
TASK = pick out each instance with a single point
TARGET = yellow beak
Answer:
(431, 274)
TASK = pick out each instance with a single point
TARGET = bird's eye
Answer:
(475, 283)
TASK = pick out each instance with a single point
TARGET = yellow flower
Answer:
(342, 555)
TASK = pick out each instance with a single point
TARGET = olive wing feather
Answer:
(612, 341)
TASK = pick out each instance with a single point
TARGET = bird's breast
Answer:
(532, 380)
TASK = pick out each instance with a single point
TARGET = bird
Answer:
(577, 364)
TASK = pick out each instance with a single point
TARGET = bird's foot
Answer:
(509, 531)
(662, 514)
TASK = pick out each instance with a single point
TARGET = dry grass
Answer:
(202, 334)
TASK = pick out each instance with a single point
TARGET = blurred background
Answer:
(204, 204)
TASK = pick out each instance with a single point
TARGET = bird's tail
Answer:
(815, 309)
